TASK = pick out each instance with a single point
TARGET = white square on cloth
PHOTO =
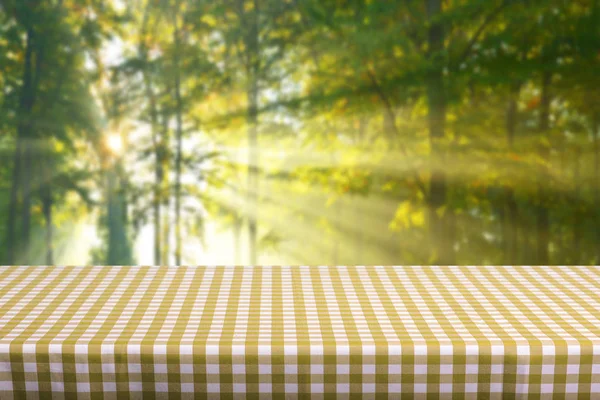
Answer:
(187, 388)
(420, 369)
(421, 350)
(497, 369)
(83, 387)
(445, 388)
(82, 368)
(108, 368)
(343, 369)
(213, 388)
(134, 368)
(29, 367)
(289, 388)
(160, 369)
(368, 388)
(317, 369)
(394, 350)
(471, 369)
(212, 369)
(239, 388)
(446, 369)
(291, 369)
(395, 388)
(368, 369)
(265, 387)
(572, 369)
(368, 350)
(471, 387)
(546, 388)
(571, 388)
(28, 348)
(317, 388)
(289, 350)
(264, 369)
(186, 368)
(161, 387)
(420, 388)
(394, 369)
(496, 387)
(343, 388)
(56, 348)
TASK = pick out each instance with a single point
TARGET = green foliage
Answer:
(372, 142)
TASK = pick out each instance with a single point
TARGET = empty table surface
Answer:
(287, 332)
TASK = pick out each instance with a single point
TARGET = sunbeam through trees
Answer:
(353, 132)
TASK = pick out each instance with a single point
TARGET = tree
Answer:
(53, 109)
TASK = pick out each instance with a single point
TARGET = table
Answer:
(287, 332)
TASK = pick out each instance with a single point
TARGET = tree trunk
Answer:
(338, 233)
(46, 198)
(252, 94)
(26, 210)
(389, 126)
(512, 228)
(360, 235)
(47, 209)
(112, 217)
(596, 185)
(542, 214)
(12, 245)
(360, 218)
(179, 138)
(511, 216)
(157, 214)
(119, 252)
(237, 240)
(156, 142)
(253, 174)
(596, 133)
(31, 80)
(166, 247)
(26, 102)
(441, 241)
(165, 192)
(577, 218)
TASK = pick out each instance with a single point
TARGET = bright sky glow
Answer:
(114, 142)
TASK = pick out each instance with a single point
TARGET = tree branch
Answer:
(392, 115)
(480, 30)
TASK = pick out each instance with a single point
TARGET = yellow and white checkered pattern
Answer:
(287, 332)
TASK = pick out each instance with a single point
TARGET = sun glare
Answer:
(114, 142)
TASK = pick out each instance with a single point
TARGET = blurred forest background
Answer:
(299, 132)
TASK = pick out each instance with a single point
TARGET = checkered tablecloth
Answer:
(289, 332)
